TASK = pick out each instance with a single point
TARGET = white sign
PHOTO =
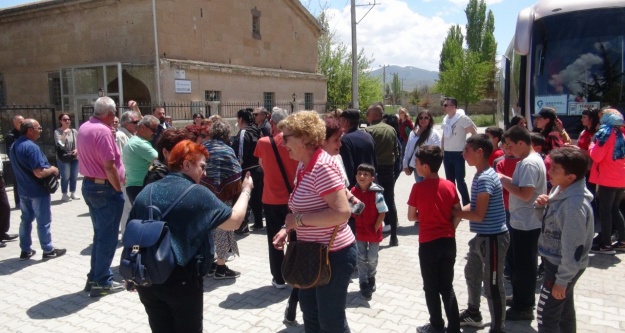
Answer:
(183, 86)
(558, 102)
(575, 109)
(180, 74)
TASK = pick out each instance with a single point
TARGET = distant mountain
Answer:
(412, 76)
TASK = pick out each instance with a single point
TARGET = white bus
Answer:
(566, 54)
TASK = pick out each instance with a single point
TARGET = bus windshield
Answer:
(577, 61)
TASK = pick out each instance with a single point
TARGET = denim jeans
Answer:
(367, 260)
(69, 175)
(105, 208)
(35, 208)
(455, 172)
(324, 307)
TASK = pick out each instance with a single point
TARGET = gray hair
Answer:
(148, 121)
(103, 106)
(127, 117)
(220, 130)
(278, 114)
(26, 124)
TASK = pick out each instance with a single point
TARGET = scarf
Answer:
(223, 171)
(611, 123)
(450, 122)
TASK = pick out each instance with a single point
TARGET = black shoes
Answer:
(8, 237)
(27, 255)
(516, 315)
(394, 241)
(55, 253)
(372, 284)
(98, 290)
(258, 228)
(365, 290)
(3, 244)
(223, 272)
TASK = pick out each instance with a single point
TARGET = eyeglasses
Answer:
(151, 129)
(422, 118)
(134, 122)
(66, 119)
(444, 105)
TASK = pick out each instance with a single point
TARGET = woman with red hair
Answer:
(176, 305)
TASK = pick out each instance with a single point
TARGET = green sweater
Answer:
(385, 139)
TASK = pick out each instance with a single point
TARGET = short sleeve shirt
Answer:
(274, 190)
(317, 179)
(138, 154)
(97, 145)
(26, 156)
(458, 137)
(434, 199)
(494, 221)
(529, 172)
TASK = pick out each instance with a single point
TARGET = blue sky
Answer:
(403, 32)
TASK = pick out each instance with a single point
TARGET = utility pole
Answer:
(355, 52)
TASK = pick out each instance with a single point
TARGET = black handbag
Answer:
(307, 264)
(51, 183)
(64, 155)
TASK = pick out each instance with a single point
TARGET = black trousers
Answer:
(176, 305)
(610, 214)
(524, 246)
(5, 208)
(132, 192)
(554, 315)
(256, 203)
(386, 179)
(437, 259)
(274, 216)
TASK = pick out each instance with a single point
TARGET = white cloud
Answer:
(393, 34)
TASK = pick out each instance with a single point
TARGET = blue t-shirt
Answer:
(30, 157)
(494, 221)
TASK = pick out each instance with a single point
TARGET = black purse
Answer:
(51, 183)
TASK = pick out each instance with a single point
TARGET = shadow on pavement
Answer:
(356, 300)
(603, 261)
(12, 265)
(61, 306)
(255, 298)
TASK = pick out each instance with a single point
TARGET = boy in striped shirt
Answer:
(487, 250)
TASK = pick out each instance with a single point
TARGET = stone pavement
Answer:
(47, 296)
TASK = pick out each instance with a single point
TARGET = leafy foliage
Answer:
(465, 78)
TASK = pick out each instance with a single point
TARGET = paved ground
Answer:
(47, 296)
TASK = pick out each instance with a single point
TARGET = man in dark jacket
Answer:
(13, 135)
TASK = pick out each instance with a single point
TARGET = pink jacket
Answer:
(605, 171)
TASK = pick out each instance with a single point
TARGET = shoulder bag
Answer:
(50, 183)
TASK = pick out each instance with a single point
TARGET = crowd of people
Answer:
(324, 179)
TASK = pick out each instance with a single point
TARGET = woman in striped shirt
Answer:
(319, 204)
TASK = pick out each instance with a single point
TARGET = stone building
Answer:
(64, 52)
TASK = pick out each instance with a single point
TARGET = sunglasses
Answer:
(422, 118)
(444, 105)
(134, 122)
(66, 119)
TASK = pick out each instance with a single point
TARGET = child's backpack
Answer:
(147, 257)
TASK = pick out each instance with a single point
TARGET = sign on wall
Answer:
(183, 86)
(180, 74)
(575, 109)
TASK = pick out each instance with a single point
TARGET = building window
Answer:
(3, 94)
(54, 90)
(256, 23)
(212, 95)
(308, 101)
(268, 98)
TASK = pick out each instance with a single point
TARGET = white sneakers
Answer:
(72, 196)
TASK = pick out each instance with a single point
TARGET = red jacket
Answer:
(366, 220)
(605, 171)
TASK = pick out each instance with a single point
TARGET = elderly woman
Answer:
(223, 178)
(177, 304)
(319, 204)
(422, 134)
(608, 166)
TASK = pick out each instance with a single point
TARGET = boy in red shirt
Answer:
(368, 226)
(431, 202)
(495, 134)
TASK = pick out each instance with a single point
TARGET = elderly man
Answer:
(138, 154)
(386, 152)
(159, 113)
(127, 129)
(261, 120)
(100, 163)
(13, 135)
(30, 165)
(456, 125)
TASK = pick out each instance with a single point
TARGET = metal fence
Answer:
(45, 115)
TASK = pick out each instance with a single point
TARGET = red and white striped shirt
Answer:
(319, 178)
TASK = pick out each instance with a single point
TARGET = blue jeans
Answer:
(69, 175)
(324, 307)
(105, 207)
(455, 173)
(35, 208)
(367, 260)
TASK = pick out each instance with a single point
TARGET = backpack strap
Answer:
(280, 165)
(173, 204)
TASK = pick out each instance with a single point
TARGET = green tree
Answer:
(465, 78)
(396, 88)
(334, 61)
(452, 47)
